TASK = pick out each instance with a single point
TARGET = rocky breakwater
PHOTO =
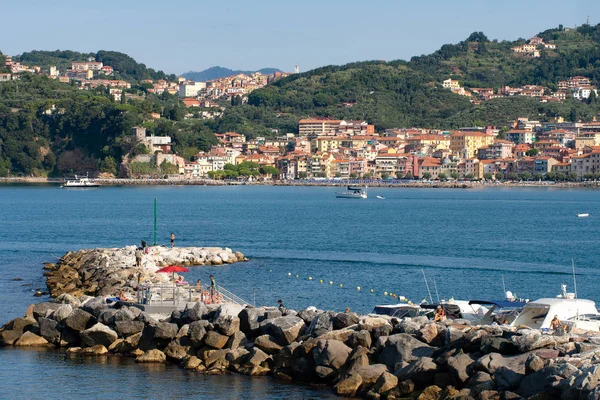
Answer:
(372, 357)
(106, 271)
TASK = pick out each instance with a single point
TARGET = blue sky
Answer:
(181, 35)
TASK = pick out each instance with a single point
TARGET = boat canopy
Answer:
(453, 311)
(499, 303)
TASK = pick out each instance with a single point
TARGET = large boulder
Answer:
(67, 298)
(215, 340)
(371, 323)
(62, 312)
(228, 309)
(428, 333)
(385, 383)
(30, 339)
(44, 309)
(227, 324)
(307, 315)
(165, 332)
(152, 356)
(8, 337)
(249, 320)
(421, 371)
(349, 386)
(48, 330)
(197, 332)
(21, 325)
(494, 344)
(98, 334)
(176, 351)
(403, 347)
(124, 314)
(360, 338)
(78, 320)
(127, 328)
(320, 325)
(344, 320)
(331, 353)
(107, 316)
(195, 313)
(459, 368)
(236, 340)
(369, 373)
(95, 306)
(285, 329)
(268, 344)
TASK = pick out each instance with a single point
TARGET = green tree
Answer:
(399, 175)
(302, 175)
(488, 176)
(499, 176)
(538, 176)
(409, 175)
(168, 169)
(572, 177)
(385, 175)
(108, 165)
(470, 176)
(353, 175)
(426, 175)
(269, 170)
(525, 176)
(454, 175)
(442, 176)
(513, 176)
(532, 152)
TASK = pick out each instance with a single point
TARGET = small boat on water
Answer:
(353, 193)
(80, 182)
(583, 215)
(380, 197)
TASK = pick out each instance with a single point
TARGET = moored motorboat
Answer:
(353, 193)
(80, 182)
(380, 197)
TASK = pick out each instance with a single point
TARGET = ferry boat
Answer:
(353, 193)
(80, 182)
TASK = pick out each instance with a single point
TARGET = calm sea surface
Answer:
(465, 241)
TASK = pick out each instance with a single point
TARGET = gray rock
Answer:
(249, 320)
(344, 320)
(44, 309)
(21, 325)
(66, 298)
(98, 334)
(107, 316)
(428, 333)
(78, 320)
(307, 315)
(124, 314)
(95, 306)
(493, 344)
(458, 367)
(385, 383)
(421, 371)
(195, 313)
(408, 326)
(62, 312)
(49, 331)
(176, 351)
(257, 357)
(331, 353)
(236, 340)
(165, 331)
(285, 329)
(403, 347)
(320, 325)
(127, 328)
(533, 364)
(30, 339)
(227, 324)
(369, 373)
(197, 332)
(8, 337)
(360, 338)
(228, 309)
(272, 313)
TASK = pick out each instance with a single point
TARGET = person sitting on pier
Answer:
(556, 325)
(281, 307)
(180, 281)
(122, 295)
(440, 314)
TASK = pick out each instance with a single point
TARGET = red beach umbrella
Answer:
(172, 269)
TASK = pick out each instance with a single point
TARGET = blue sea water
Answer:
(465, 241)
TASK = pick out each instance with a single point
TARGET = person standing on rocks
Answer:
(172, 240)
(213, 286)
(138, 258)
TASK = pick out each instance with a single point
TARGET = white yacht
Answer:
(572, 313)
(353, 193)
(80, 182)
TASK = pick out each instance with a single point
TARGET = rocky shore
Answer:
(370, 357)
(103, 272)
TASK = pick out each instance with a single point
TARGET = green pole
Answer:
(155, 221)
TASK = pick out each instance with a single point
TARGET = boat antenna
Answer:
(436, 291)
(574, 278)
(503, 285)
(427, 285)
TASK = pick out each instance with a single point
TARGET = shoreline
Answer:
(379, 184)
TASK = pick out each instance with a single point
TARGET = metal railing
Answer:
(173, 295)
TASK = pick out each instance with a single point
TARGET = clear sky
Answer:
(182, 35)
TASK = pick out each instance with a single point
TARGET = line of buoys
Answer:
(358, 288)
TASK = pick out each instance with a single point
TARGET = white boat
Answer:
(353, 193)
(572, 313)
(381, 197)
(583, 215)
(80, 182)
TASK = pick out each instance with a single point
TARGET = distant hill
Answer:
(127, 68)
(409, 93)
(221, 72)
